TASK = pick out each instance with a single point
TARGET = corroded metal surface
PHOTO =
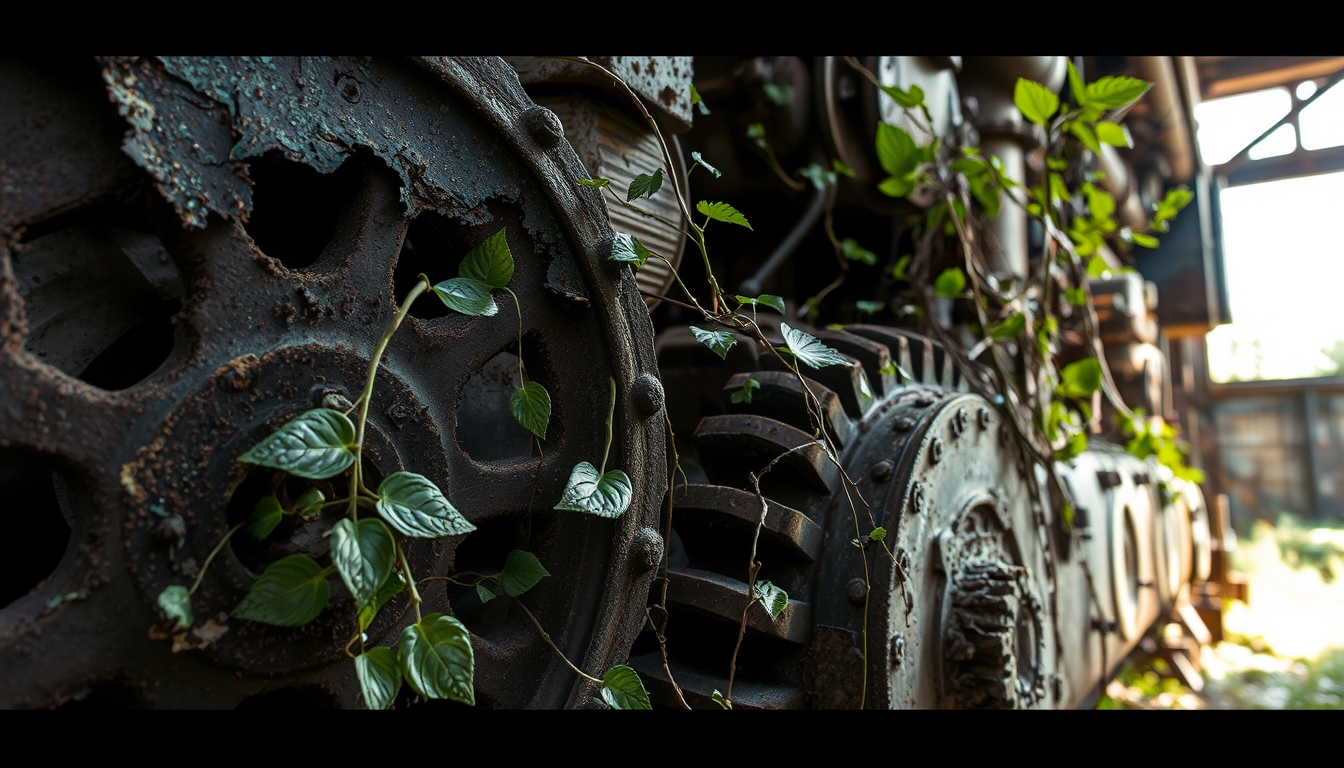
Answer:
(423, 159)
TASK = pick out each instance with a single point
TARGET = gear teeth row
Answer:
(874, 356)
(929, 363)
(733, 445)
(698, 687)
(715, 505)
(849, 382)
(780, 396)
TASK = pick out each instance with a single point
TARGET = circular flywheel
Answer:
(194, 251)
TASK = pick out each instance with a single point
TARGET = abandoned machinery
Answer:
(195, 250)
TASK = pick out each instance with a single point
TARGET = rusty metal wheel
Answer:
(179, 279)
(962, 621)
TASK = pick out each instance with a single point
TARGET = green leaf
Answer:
(645, 185)
(722, 212)
(1076, 88)
(1075, 296)
(743, 395)
(607, 495)
(629, 249)
(842, 169)
(291, 591)
(1085, 134)
(779, 94)
(697, 101)
(468, 296)
(1056, 163)
(1077, 443)
(309, 504)
(1009, 328)
(756, 132)
(718, 341)
(898, 271)
(878, 534)
(531, 407)
(595, 183)
(773, 599)
(896, 151)
(1081, 378)
(394, 586)
(821, 178)
(379, 676)
(363, 553)
(808, 349)
(895, 186)
(701, 161)
(313, 445)
(622, 689)
(484, 593)
(772, 301)
(869, 307)
(950, 283)
(176, 604)
(1035, 101)
(436, 657)
(491, 262)
(1058, 189)
(1147, 241)
(1097, 266)
(1099, 202)
(522, 571)
(1114, 92)
(415, 507)
(910, 99)
(265, 517)
(851, 250)
(717, 698)
(1114, 134)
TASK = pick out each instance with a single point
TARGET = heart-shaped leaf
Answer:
(1036, 102)
(774, 599)
(868, 307)
(436, 657)
(176, 605)
(468, 296)
(379, 676)
(606, 495)
(722, 212)
(622, 689)
(394, 586)
(491, 262)
(743, 395)
(313, 445)
(291, 591)
(774, 302)
(309, 504)
(522, 571)
(645, 185)
(1114, 134)
(265, 517)
(531, 406)
(1009, 328)
(718, 341)
(850, 249)
(363, 553)
(484, 593)
(414, 506)
(807, 349)
(1114, 92)
(627, 248)
(896, 150)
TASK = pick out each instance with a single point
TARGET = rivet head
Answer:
(335, 400)
(882, 470)
(916, 498)
(544, 127)
(647, 396)
(856, 590)
(982, 418)
(903, 424)
(349, 89)
(959, 422)
(646, 550)
(897, 650)
(936, 450)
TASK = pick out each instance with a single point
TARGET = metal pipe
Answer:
(1164, 101)
(752, 285)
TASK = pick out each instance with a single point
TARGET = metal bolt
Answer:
(646, 551)
(171, 528)
(857, 591)
(335, 400)
(544, 127)
(647, 396)
(916, 498)
(903, 424)
(982, 417)
(936, 450)
(882, 470)
(897, 649)
(959, 422)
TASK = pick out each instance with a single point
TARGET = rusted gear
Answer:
(929, 466)
(264, 219)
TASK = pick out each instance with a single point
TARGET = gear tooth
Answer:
(730, 446)
(698, 687)
(849, 382)
(780, 396)
(730, 507)
(726, 598)
(873, 355)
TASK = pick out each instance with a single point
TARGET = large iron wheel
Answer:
(171, 293)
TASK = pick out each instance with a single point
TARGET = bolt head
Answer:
(917, 501)
(171, 528)
(543, 126)
(647, 396)
(856, 590)
(903, 424)
(646, 550)
(936, 450)
(882, 470)
(982, 418)
(959, 422)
